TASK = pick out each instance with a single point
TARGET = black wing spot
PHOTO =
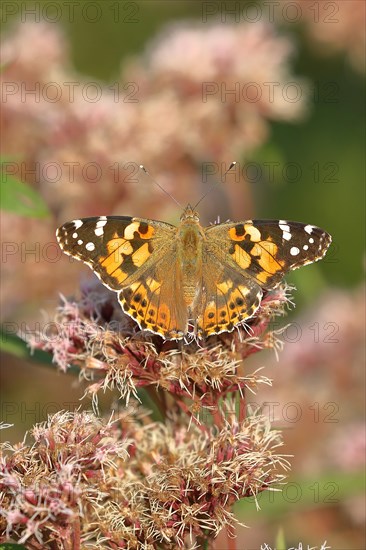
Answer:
(143, 228)
(239, 230)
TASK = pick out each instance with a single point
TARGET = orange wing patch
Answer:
(143, 230)
(140, 256)
(245, 231)
(118, 248)
(265, 254)
(241, 257)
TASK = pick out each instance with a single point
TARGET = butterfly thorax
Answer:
(190, 236)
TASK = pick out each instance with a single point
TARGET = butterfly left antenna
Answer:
(142, 167)
(217, 182)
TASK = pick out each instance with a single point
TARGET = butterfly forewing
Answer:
(267, 249)
(115, 247)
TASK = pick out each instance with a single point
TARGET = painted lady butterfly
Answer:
(169, 277)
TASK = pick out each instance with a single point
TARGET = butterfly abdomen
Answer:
(189, 252)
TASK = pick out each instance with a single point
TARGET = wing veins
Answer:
(273, 258)
(225, 302)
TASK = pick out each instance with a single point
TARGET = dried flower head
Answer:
(47, 486)
(112, 351)
(182, 476)
(74, 485)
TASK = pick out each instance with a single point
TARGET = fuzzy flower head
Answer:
(75, 485)
(45, 485)
(111, 351)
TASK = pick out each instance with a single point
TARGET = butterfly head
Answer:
(190, 214)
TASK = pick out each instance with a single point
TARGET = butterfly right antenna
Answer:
(215, 183)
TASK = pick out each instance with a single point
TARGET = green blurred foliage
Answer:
(18, 197)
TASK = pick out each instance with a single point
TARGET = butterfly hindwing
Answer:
(155, 301)
(228, 298)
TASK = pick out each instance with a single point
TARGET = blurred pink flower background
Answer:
(173, 131)
(165, 119)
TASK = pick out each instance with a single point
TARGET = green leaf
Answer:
(280, 540)
(13, 344)
(19, 197)
(11, 546)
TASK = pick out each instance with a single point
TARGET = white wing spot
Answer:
(77, 224)
(286, 231)
(294, 251)
(90, 246)
(75, 235)
(284, 226)
(99, 231)
(305, 247)
(311, 240)
(80, 241)
(309, 229)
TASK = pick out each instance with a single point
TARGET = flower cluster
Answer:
(74, 486)
(95, 335)
(47, 486)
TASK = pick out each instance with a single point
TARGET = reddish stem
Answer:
(76, 535)
(231, 542)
